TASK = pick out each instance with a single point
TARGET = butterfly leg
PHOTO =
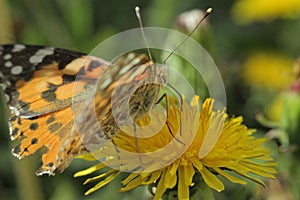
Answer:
(116, 148)
(137, 144)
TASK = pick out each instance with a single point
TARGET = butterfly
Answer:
(39, 82)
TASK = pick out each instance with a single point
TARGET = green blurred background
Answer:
(255, 44)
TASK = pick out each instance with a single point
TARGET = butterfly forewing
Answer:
(39, 80)
(38, 83)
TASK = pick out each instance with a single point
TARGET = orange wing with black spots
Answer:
(54, 131)
(39, 86)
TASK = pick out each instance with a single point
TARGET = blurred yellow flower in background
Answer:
(248, 11)
(214, 145)
(268, 70)
(274, 109)
(282, 111)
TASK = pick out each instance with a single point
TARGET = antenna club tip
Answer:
(209, 10)
(137, 9)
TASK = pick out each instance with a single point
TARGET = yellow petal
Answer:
(213, 133)
(88, 157)
(132, 184)
(171, 178)
(90, 170)
(195, 101)
(197, 164)
(259, 170)
(129, 178)
(183, 188)
(160, 190)
(189, 173)
(211, 180)
(241, 171)
(108, 173)
(102, 183)
(173, 168)
(230, 177)
(153, 177)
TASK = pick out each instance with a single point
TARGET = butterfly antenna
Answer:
(207, 13)
(138, 15)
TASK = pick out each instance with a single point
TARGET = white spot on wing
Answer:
(124, 69)
(40, 55)
(106, 83)
(18, 47)
(16, 70)
(16, 155)
(130, 56)
(132, 63)
(5, 82)
(8, 64)
(14, 110)
(3, 86)
(10, 131)
(135, 61)
(7, 56)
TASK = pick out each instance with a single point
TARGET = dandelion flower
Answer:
(268, 70)
(190, 143)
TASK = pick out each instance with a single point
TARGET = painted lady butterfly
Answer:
(38, 83)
